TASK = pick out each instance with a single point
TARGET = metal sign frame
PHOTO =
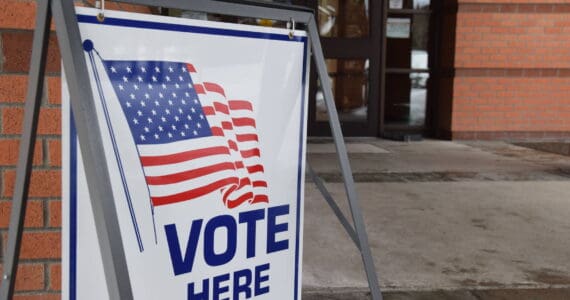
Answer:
(89, 134)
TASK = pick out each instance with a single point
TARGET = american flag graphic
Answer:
(192, 141)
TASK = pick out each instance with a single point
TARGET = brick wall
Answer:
(40, 260)
(511, 70)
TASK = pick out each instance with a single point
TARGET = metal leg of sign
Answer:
(330, 201)
(27, 142)
(344, 162)
(89, 135)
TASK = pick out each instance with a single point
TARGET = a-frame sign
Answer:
(88, 128)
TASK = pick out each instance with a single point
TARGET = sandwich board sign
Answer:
(204, 131)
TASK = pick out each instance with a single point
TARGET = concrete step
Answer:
(562, 293)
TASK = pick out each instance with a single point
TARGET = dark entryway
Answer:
(379, 55)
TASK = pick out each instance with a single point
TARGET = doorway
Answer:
(350, 34)
(379, 56)
(406, 66)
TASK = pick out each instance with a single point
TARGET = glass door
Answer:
(350, 34)
(407, 65)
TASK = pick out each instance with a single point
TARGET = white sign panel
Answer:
(204, 130)
(398, 28)
(396, 4)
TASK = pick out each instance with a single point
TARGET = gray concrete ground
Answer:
(446, 220)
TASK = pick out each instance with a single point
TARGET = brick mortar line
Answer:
(34, 168)
(34, 199)
(46, 276)
(1, 55)
(513, 8)
(45, 152)
(47, 74)
(28, 228)
(507, 72)
(2, 124)
(23, 104)
(41, 260)
(45, 213)
(38, 230)
(19, 136)
(36, 293)
(21, 30)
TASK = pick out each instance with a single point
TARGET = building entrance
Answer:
(379, 57)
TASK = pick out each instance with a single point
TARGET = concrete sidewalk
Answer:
(445, 220)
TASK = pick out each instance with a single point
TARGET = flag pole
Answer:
(90, 49)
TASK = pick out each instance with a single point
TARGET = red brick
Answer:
(17, 49)
(128, 7)
(54, 153)
(530, 38)
(44, 183)
(13, 88)
(511, 103)
(54, 90)
(49, 122)
(9, 150)
(34, 214)
(54, 213)
(55, 277)
(17, 14)
(30, 277)
(43, 296)
(40, 245)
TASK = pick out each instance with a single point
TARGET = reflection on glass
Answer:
(344, 18)
(409, 4)
(415, 43)
(406, 96)
(421, 4)
(349, 80)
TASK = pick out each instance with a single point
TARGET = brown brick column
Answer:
(511, 71)
(39, 275)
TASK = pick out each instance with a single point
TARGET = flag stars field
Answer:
(167, 112)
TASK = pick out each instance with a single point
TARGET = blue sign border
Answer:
(189, 29)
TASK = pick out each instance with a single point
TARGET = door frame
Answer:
(354, 48)
(430, 123)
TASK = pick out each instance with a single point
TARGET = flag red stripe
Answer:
(213, 87)
(217, 131)
(244, 182)
(240, 104)
(259, 183)
(240, 200)
(232, 145)
(260, 198)
(148, 161)
(255, 169)
(250, 153)
(239, 165)
(220, 107)
(187, 175)
(244, 122)
(208, 110)
(227, 125)
(194, 193)
(247, 137)
(199, 88)
(190, 68)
